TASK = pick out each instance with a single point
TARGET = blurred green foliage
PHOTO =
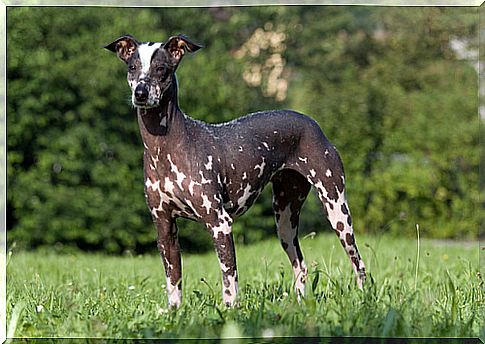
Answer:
(385, 85)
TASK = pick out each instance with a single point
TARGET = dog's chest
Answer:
(168, 186)
(178, 183)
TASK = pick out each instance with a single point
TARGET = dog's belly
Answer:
(239, 197)
(240, 201)
(245, 182)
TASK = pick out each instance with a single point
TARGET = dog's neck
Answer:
(162, 124)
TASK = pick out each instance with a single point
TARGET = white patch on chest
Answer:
(180, 176)
(154, 160)
(145, 52)
(191, 186)
(203, 180)
(189, 203)
(154, 186)
(169, 187)
(206, 203)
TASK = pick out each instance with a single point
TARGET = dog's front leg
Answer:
(169, 248)
(221, 230)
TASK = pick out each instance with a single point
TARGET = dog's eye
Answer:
(132, 68)
(160, 70)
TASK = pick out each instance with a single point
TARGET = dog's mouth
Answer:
(145, 102)
(144, 105)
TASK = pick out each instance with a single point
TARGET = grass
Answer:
(94, 295)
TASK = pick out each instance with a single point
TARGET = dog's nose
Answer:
(141, 93)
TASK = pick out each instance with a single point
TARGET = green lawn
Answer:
(101, 296)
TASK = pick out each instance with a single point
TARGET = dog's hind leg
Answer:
(338, 214)
(169, 248)
(290, 190)
(327, 176)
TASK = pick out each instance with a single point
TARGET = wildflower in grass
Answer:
(285, 294)
(162, 311)
(39, 308)
(131, 287)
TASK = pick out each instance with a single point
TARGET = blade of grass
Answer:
(12, 325)
(417, 260)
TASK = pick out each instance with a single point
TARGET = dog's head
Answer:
(151, 65)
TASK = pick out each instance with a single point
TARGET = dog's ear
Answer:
(178, 45)
(124, 47)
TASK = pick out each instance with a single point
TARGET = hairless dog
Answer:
(212, 173)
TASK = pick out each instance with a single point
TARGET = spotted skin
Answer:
(213, 173)
(290, 190)
(168, 246)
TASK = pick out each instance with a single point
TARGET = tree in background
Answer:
(384, 83)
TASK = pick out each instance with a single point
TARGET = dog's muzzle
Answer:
(141, 93)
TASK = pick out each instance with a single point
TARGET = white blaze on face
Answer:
(145, 52)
